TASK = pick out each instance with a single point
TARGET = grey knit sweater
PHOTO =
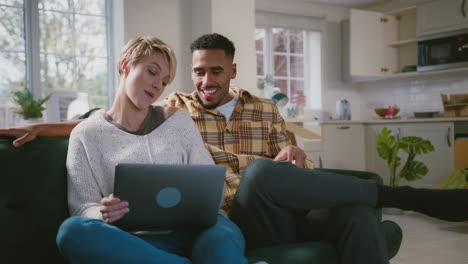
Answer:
(96, 146)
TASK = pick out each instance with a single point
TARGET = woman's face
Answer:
(146, 80)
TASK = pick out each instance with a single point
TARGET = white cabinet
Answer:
(440, 162)
(441, 16)
(363, 44)
(376, 45)
(344, 146)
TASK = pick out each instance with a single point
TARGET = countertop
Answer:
(397, 121)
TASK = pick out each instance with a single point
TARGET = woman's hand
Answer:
(112, 209)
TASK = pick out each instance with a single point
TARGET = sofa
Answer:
(33, 203)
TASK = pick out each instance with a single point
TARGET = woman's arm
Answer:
(84, 195)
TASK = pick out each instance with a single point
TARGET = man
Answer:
(246, 133)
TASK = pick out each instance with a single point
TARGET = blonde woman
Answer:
(135, 131)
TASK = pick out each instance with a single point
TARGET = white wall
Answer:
(179, 22)
(236, 20)
(163, 19)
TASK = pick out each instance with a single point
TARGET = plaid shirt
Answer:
(255, 130)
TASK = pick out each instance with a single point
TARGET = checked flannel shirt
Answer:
(255, 130)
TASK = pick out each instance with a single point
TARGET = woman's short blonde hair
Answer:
(145, 46)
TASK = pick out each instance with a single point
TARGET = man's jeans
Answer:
(273, 199)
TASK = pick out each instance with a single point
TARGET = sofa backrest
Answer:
(33, 199)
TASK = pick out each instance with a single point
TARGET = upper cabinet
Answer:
(384, 45)
(377, 45)
(441, 16)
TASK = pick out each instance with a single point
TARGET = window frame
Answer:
(32, 49)
(268, 60)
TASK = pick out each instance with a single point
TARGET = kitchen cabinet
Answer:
(441, 16)
(344, 146)
(376, 45)
(440, 162)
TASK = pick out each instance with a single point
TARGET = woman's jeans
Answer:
(274, 198)
(86, 240)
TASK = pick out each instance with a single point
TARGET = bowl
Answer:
(383, 111)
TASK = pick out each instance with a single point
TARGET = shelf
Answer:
(402, 42)
(456, 105)
(410, 74)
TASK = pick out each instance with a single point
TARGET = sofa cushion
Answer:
(32, 199)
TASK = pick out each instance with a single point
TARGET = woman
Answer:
(134, 131)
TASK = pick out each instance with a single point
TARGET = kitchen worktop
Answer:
(396, 121)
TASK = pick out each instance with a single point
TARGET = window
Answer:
(290, 58)
(55, 45)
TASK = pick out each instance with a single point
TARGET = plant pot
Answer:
(392, 211)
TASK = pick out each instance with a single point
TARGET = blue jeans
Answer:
(86, 240)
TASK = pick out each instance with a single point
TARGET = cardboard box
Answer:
(461, 154)
(455, 105)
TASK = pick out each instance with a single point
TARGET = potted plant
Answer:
(389, 148)
(29, 108)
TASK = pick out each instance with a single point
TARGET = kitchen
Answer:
(349, 144)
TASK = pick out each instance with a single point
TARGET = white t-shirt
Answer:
(227, 108)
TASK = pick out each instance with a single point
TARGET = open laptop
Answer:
(169, 196)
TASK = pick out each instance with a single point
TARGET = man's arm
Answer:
(30, 132)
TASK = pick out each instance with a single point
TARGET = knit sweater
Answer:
(96, 146)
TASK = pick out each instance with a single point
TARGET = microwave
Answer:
(443, 51)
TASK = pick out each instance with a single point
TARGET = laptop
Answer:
(169, 196)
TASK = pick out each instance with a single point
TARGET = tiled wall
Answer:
(411, 94)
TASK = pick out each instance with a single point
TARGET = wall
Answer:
(420, 94)
(236, 20)
(166, 20)
(179, 22)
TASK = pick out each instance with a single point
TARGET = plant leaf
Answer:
(413, 170)
(385, 145)
(29, 107)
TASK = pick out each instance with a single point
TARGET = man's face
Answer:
(212, 72)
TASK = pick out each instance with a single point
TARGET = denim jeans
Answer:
(86, 240)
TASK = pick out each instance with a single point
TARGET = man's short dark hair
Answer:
(213, 41)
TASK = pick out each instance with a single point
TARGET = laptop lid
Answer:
(169, 196)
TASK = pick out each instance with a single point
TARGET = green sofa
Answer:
(33, 204)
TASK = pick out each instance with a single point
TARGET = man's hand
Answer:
(292, 153)
(22, 134)
(112, 209)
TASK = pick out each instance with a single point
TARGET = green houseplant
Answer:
(389, 148)
(28, 106)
